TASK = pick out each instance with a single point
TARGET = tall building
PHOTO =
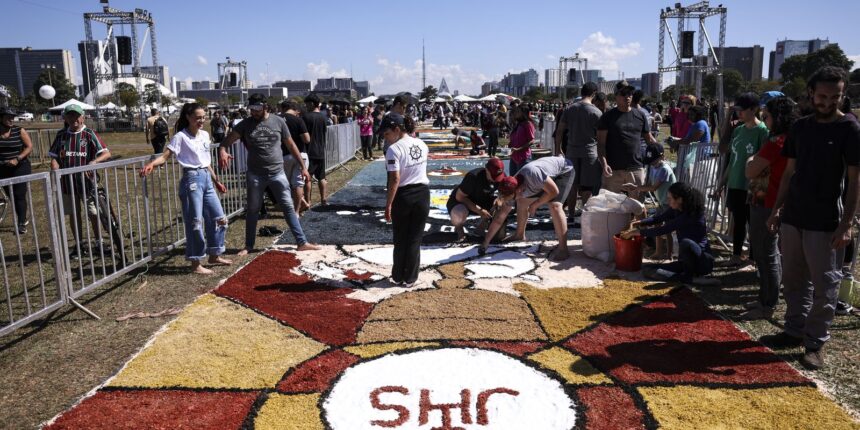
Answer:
(164, 75)
(789, 48)
(203, 85)
(296, 88)
(650, 84)
(21, 67)
(635, 83)
(362, 88)
(334, 84)
(553, 79)
(488, 87)
(748, 61)
(518, 84)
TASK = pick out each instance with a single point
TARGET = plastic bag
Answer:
(607, 201)
(598, 230)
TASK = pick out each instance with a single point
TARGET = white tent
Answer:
(83, 105)
(109, 106)
(368, 99)
(494, 97)
(106, 88)
(464, 98)
(440, 100)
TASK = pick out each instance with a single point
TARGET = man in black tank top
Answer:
(15, 147)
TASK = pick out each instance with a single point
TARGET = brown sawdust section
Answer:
(564, 311)
(451, 314)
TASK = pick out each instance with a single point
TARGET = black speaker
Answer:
(687, 44)
(123, 50)
(571, 76)
(233, 80)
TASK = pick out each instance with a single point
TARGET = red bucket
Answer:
(628, 253)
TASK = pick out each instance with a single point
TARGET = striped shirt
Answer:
(12, 146)
(75, 150)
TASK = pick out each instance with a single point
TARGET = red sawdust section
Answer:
(161, 409)
(316, 374)
(519, 349)
(609, 408)
(677, 339)
(269, 285)
(363, 278)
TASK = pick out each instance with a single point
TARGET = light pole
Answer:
(50, 67)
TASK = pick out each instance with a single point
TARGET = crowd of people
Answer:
(790, 180)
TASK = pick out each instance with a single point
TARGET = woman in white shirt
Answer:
(408, 202)
(201, 209)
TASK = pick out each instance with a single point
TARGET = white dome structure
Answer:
(106, 88)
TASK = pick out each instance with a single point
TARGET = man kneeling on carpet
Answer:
(547, 181)
(685, 217)
(476, 195)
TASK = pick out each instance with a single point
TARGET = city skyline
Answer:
(348, 40)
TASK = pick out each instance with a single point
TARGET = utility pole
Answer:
(423, 67)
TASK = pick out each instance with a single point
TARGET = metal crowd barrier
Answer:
(68, 252)
(700, 165)
(41, 139)
(32, 288)
(342, 142)
(544, 138)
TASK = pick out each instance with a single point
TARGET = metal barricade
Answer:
(342, 142)
(544, 138)
(30, 267)
(700, 165)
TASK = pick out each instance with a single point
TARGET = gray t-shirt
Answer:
(536, 172)
(263, 140)
(581, 121)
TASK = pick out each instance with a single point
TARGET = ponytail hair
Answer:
(182, 123)
(409, 124)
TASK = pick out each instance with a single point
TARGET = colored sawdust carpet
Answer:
(506, 340)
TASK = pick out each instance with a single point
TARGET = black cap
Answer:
(653, 151)
(390, 121)
(6, 111)
(256, 99)
(747, 101)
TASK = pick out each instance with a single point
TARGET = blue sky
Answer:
(468, 42)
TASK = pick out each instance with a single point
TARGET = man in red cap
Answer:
(545, 181)
(475, 194)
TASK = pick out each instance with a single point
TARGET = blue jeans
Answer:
(692, 261)
(201, 211)
(280, 187)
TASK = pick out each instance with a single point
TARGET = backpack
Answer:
(160, 128)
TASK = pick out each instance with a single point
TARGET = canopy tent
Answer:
(109, 106)
(495, 97)
(445, 95)
(368, 99)
(464, 98)
(62, 106)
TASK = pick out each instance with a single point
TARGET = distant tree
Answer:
(429, 92)
(128, 95)
(151, 94)
(669, 92)
(854, 88)
(55, 78)
(202, 101)
(803, 66)
(795, 88)
(854, 77)
(534, 94)
(733, 84)
(166, 100)
(233, 99)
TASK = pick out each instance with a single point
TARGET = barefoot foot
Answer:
(199, 269)
(309, 247)
(243, 252)
(221, 261)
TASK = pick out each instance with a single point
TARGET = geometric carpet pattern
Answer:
(275, 346)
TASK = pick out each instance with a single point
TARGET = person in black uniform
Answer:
(15, 147)
(476, 194)
(408, 201)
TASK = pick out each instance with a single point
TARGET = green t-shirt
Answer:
(746, 142)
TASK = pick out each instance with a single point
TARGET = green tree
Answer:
(233, 99)
(428, 93)
(128, 95)
(534, 94)
(795, 88)
(803, 66)
(733, 84)
(854, 77)
(668, 93)
(202, 101)
(55, 78)
(151, 94)
(166, 100)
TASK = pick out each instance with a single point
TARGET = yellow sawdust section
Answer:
(450, 314)
(290, 412)
(453, 270)
(216, 343)
(573, 368)
(564, 311)
(377, 349)
(695, 408)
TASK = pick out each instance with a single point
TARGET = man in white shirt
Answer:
(408, 201)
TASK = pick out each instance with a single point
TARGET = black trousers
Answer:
(367, 146)
(158, 145)
(736, 201)
(408, 215)
(492, 136)
(18, 192)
